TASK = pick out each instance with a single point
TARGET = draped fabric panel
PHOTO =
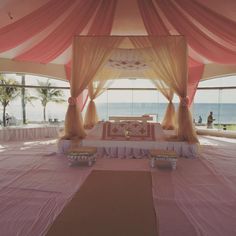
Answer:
(101, 25)
(91, 115)
(155, 26)
(168, 58)
(94, 90)
(104, 18)
(82, 99)
(61, 38)
(89, 55)
(16, 33)
(152, 21)
(200, 41)
(169, 120)
(101, 82)
(194, 75)
(214, 22)
(68, 69)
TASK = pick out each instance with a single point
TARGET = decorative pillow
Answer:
(128, 130)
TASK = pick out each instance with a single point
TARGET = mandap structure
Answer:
(174, 43)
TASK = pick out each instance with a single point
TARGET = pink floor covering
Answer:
(199, 198)
(34, 187)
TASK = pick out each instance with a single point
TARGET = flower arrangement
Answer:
(127, 133)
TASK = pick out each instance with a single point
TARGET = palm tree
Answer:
(25, 98)
(7, 94)
(47, 94)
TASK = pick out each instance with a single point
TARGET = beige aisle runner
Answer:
(109, 203)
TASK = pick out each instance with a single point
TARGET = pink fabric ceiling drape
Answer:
(61, 38)
(104, 18)
(195, 71)
(155, 26)
(16, 33)
(152, 21)
(218, 24)
(197, 39)
(102, 25)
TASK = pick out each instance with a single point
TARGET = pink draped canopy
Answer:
(209, 34)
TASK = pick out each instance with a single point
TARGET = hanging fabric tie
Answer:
(184, 101)
(73, 101)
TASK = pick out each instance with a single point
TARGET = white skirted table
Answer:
(157, 155)
(81, 155)
(28, 133)
(132, 149)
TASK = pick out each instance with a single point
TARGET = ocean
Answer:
(223, 113)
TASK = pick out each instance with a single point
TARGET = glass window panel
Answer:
(119, 102)
(228, 107)
(204, 102)
(219, 82)
(145, 102)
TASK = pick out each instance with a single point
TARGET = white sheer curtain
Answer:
(167, 56)
(169, 120)
(90, 54)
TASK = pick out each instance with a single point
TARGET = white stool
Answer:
(81, 155)
(163, 155)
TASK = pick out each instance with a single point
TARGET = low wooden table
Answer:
(163, 155)
(82, 154)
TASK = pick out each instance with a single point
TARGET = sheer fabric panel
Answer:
(90, 54)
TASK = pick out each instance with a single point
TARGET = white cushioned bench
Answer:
(82, 154)
(163, 155)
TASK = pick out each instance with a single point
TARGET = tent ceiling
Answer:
(127, 20)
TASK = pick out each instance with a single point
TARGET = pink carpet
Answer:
(199, 198)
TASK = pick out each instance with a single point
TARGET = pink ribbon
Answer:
(72, 101)
(184, 101)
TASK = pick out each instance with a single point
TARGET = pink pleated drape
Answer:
(103, 21)
(195, 71)
(212, 21)
(61, 38)
(199, 40)
(155, 26)
(16, 33)
(89, 55)
(151, 19)
(102, 24)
